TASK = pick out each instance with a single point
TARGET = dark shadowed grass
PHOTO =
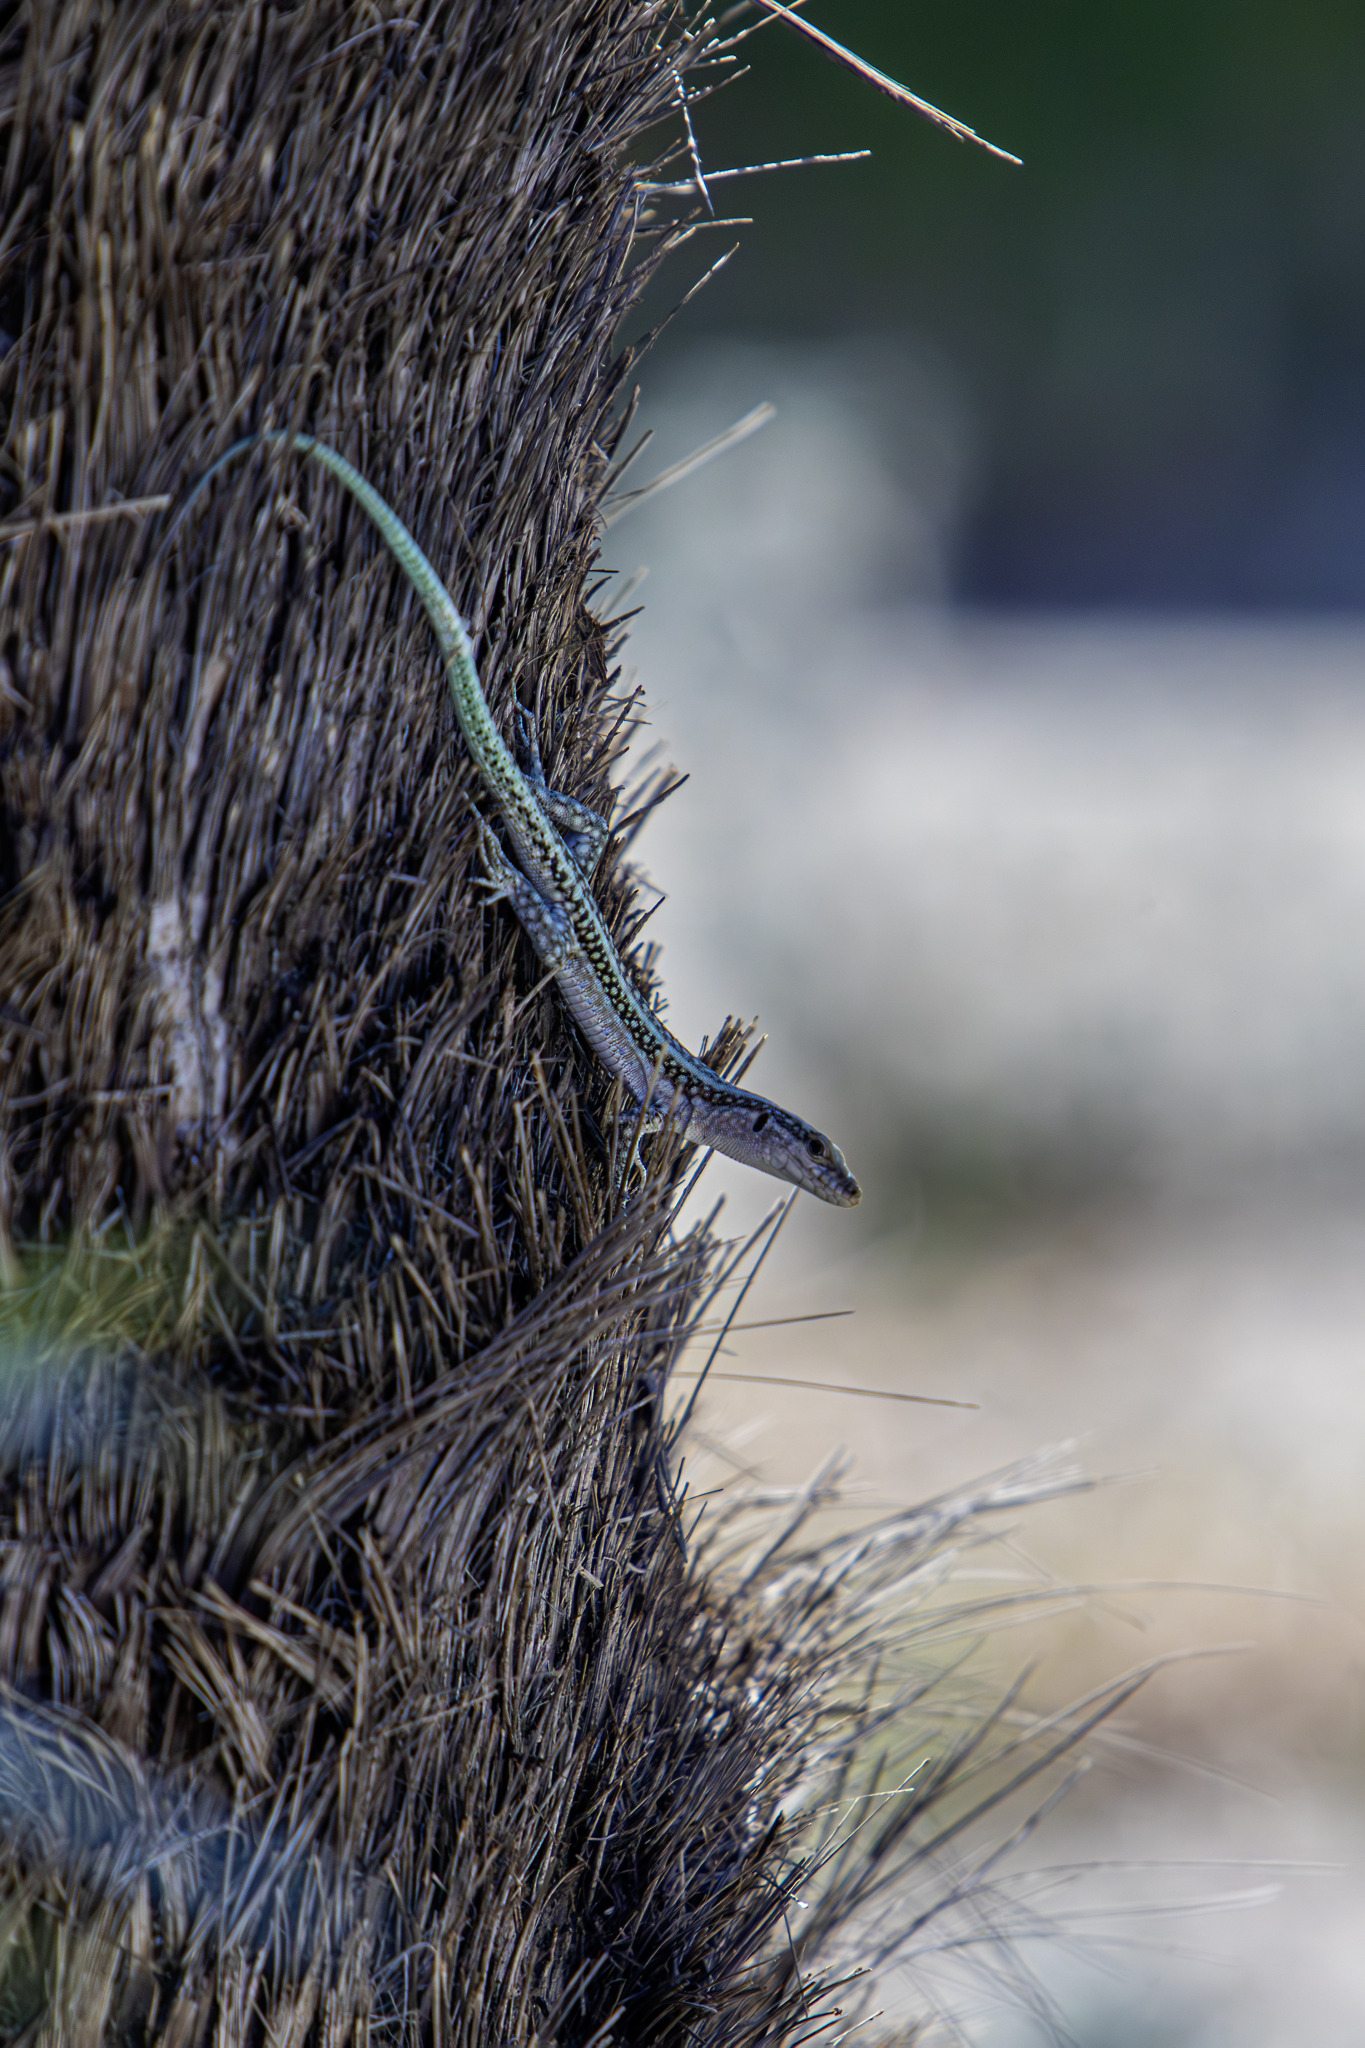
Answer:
(360, 1678)
(737, 1778)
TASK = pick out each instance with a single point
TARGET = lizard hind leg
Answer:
(584, 831)
(499, 877)
(546, 925)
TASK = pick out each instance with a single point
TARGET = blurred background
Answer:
(1018, 667)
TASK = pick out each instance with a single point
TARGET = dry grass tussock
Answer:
(356, 1682)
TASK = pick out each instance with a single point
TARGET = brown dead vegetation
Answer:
(355, 1683)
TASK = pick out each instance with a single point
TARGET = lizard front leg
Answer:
(548, 924)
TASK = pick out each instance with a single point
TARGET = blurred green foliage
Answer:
(1160, 319)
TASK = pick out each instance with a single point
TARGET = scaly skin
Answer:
(557, 842)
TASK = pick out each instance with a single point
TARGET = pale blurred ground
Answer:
(1058, 925)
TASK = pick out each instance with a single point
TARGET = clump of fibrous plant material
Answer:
(359, 1677)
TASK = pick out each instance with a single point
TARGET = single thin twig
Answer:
(627, 501)
(59, 522)
(883, 83)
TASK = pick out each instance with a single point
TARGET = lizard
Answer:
(558, 842)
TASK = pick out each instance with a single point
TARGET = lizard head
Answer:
(760, 1134)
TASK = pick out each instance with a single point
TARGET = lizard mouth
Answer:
(831, 1180)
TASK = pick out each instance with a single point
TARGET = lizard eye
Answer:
(816, 1147)
(760, 1120)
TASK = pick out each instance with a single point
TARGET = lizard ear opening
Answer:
(761, 1119)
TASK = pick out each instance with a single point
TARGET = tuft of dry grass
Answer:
(356, 1682)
